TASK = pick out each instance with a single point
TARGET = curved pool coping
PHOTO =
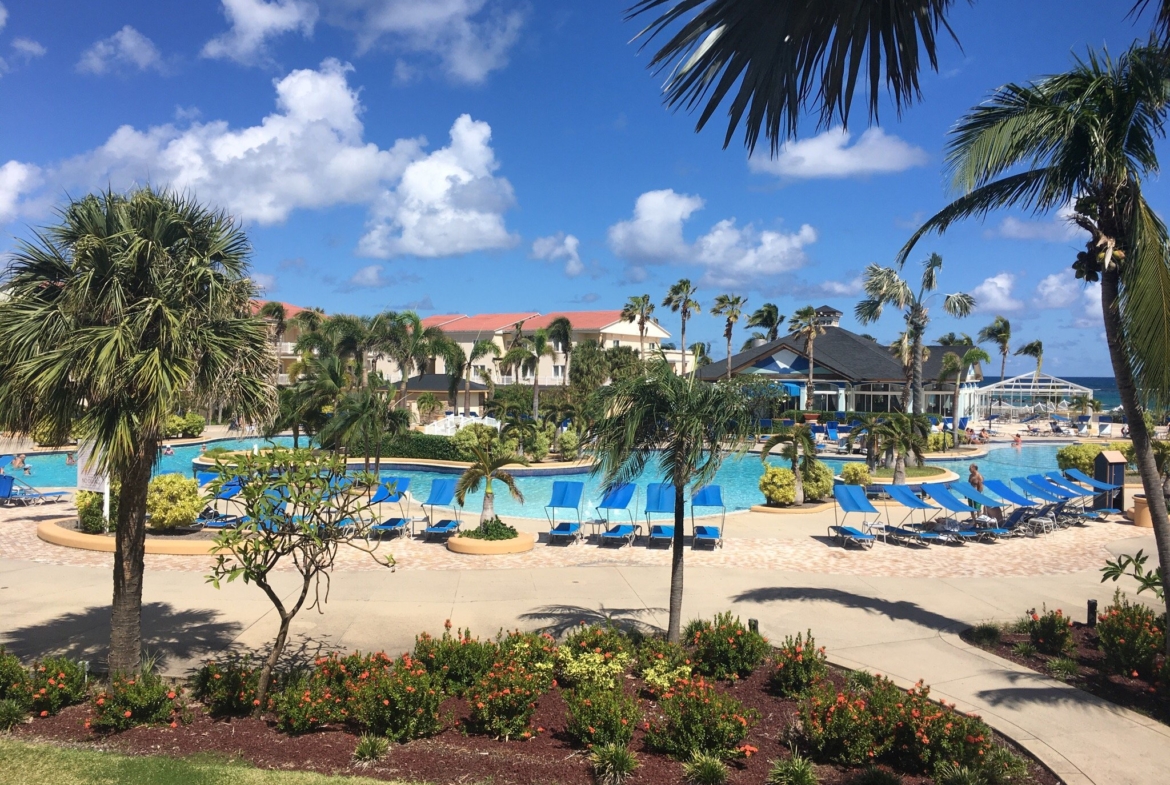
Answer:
(551, 469)
(54, 533)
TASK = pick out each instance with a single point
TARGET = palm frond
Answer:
(1144, 302)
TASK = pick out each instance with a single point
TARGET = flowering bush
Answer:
(778, 485)
(172, 500)
(602, 716)
(399, 700)
(596, 655)
(1049, 631)
(1131, 636)
(56, 682)
(13, 679)
(798, 665)
(724, 648)
(503, 701)
(661, 663)
(534, 652)
(839, 726)
(928, 734)
(694, 717)
(227, 690)
(456, 661)
(305, 704)
(141, 699)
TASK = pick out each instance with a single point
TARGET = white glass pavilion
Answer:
(1028, 394)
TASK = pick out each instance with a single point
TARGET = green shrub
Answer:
(612, 764)
(504, 700)
(602, 716)
(422, 446)
(839, 726)
(141, 699)
(56, 682)
(778, 485)
(1078, 456)
(796, 770)
(798, 664)
(855, 473)
(950, 774)
(1001, 766)
(303, 704)
(535, 652)
(818, 481)
(1132, 636)
(538, 446)
(1063, 668)
(940, 442)
(569, 445)
(174, 426)
(172, 500)
(986, 634)
(468, 436)
(399, 700)
(587, 667)
(45, 435)
(872, 775)
(493, 529)
(14, 679)
(694, 717)
(89, 510)
(661, 663)
(227, 690)
(193, 426)
(1024, 649)
(725, 648)
(928, 734)
(12, 713)
(705, 769)
(370, 748)
(1050, 631)
(456, 661)
(603, 639)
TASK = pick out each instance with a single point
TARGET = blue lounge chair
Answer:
(968, 491)
(1060, 481)
(392, 490)
(1040, 481)
(1106, 490)
(616, 500)
(622, 533)
(203, 478)
(566, 495)
(441, 495)
(911, 536)
(938, 492)
(1005, 492)
(659, 500)
(9, 494)
(851, 499)
(211, 517)
(709, 496)
(1047, 494)
(906, 497)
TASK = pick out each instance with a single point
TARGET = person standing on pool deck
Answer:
(975, 479)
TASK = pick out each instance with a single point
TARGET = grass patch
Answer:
(42, 764)
(911, 471)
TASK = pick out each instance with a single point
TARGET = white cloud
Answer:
(369, 277)
(447, 202)
(265, 282)
(125, 48)
(560, 246)
(469, 38)
(28, 48)
(1058, 229)
(1058, 290)
(253, 22)
(829, 155)
(16, 180)
(654, 234)
(3, 16)
(1090, 316)
(842, 288)
(995, 294)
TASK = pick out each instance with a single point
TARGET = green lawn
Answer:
(911, 471)
(42, 764)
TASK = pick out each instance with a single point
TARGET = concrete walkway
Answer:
(903, 627)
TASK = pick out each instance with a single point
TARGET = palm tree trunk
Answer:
(955, 415)
(916, 374)
(797, 483)
(535, 394)
(129, 562)
(1142, 448)
(296, 436)
(1002, 364)
(899, 469)
(489, 506)
(642, 341)
(674, 624)
(729, 358)
(683, 340)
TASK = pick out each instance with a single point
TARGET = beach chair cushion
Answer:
(847, 534)
(661, 531)
(565, 529)
(442, 529)
(390, 526)
(708, 534)
(623, 531)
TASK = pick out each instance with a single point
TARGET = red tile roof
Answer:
(442, 319)
(489, 322)
(289, 310)
(581, 320)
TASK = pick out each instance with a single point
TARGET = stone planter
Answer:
(811, 417)
(522, 542)
(1141, 512)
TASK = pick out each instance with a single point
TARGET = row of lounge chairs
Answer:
(16, 492)
(1044, 503)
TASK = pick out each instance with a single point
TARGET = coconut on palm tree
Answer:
(639, 309)
(799, 448)
(805, 324)
(1035, 350)
(885, 288)
(131, 302)
(954, 365)
(525, 355)
(680, 299)
(999, 332)
(488, 466)
(769, 319)
(730, 307)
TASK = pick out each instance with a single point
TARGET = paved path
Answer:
(898, 620)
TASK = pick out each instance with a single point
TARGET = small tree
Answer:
(488, 465)
(953, 364)
(903, 435)
(799, 448)
(298, 511)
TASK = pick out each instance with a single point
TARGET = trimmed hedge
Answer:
(421, 446)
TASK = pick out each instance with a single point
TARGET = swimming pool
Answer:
(739, 478)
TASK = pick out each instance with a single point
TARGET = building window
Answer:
(558, 371)
(616, 343)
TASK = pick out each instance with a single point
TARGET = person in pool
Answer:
(1017, 441)
(168, 450)
(70, 460)
(202, 448)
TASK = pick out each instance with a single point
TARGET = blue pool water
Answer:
(739, 478)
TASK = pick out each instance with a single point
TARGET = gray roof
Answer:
(838, 354)
(933, 363)
(436, 382)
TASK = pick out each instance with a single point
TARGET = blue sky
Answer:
(502, 155)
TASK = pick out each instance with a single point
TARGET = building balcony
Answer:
(282, 379)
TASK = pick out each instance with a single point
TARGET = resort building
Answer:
(285, 341)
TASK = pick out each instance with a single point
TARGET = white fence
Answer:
(453, 422)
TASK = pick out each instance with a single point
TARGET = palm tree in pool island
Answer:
(999, 332)
(488, 466)
(1035, 350)
(681, 300)
(684, 427)
(769, 319)
(730, 307)
(132, 302)
(805, 324)
(799, 448)
(954, 365)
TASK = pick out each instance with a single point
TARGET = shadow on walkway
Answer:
(900, 610)
(85, 635)
(1036, 688)
(560, 619)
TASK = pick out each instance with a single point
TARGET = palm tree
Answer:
(455, 358)
(800, 448)
(309, 320)
(953, 365)
(680, 299)
(525, 355)
(363, 418)
(1087, 137)
(805, 324)
(955, 339)
(518, 425)
(902, 348)
(683, 426)
(885, 287)
(590, 368)
(560, 333)
(131, 302)
(410, 345)
(864, 430)
(903, 436)
(768, 318)
(1035, 350)
(428, 403)
(999, 332)
(486, 466)
(274, 311)
(729, 306)
(639, 309)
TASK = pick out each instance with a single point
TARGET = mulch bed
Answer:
(1132, 693)
(451, 757)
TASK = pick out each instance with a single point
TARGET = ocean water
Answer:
(1104, 388)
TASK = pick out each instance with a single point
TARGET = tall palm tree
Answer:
(309, 320)
(590, 368)
(680, 299)
(884, 287)
(479, 350)
(683, 426)
(955, 339)
(864, 431)
(560, 332)
(954, 365)
(800, 448)
(525, 355)
(999, 332)
(902, 348)
(361, 419)
(1035, 350)
(410, 345)
(1087, 138)
(127, 304)
(276, 314)
(769, 319)
(639, 309)
(487, 466)
(805, 324)
(729, 306)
